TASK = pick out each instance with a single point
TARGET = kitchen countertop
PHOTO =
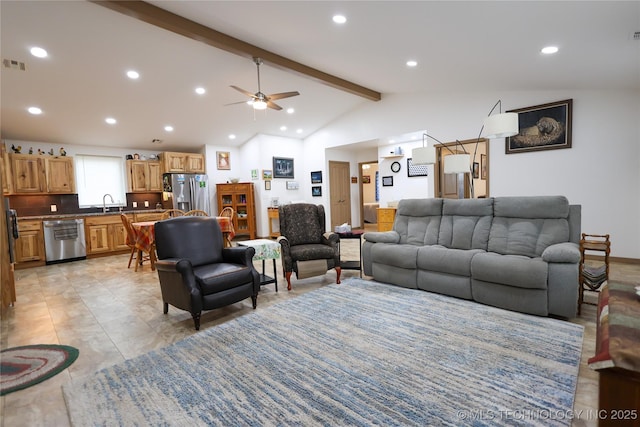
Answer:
(54, 217)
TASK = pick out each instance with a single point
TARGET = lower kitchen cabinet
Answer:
(30, 244)
(105, 234)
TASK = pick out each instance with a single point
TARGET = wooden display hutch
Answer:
(240, 198)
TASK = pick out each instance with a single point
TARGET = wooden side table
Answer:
(273, 214)
(386, 216)
(592, 277)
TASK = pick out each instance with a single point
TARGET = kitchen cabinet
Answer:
(105, 234)
(30, 245)
(240, 197)
(386, 216)
(7, 180)
(35, 174)
(182, 162)
(144, 176)
(27, 173)
(60, 176)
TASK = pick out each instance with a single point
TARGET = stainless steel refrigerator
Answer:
(188, 191)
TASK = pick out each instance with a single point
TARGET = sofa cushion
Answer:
(418, 221)
(312, 251)
(466, 223)
(513, 270)
(214, 278)
(444, 260)
(403, 256)
(528, 225)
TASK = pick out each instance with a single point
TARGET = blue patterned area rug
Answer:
(359, 353)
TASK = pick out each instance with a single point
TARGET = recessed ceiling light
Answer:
(133, 74)
(232, 136)
(110, 120)
(548, 50)
(168, 128)
(34, 110)
(339, 19)
(299, 131)
(38, 52)
(201, 90)
(412, 63)
(290, 110)
(283, 128)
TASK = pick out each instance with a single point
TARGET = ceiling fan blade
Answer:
(235, 103)
(273, 105)
(283, 95)
(249, 94)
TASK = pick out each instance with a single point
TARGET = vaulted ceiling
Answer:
(459, 46)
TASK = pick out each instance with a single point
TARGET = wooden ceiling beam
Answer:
(154, 15)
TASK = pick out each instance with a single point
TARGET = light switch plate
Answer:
(135, 204)
(146, 203)
(54, 208)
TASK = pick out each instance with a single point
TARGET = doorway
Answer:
(369, 193)
(475, 183)
(339, 193)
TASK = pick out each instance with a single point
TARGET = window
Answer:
(97, 176)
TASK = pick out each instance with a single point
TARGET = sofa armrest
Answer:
(239, 255)
(567, 252)
(382, 237)
(285, 250)
(178, 284)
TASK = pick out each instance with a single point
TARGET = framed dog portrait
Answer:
(542, 127)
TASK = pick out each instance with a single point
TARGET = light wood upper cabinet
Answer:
(182, 162)
(195, 163)
(144, 176)
(60, 175)
(35, 174)
(28, 173)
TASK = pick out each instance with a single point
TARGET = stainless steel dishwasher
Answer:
(64, 240)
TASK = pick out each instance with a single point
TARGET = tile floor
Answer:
(111, 313)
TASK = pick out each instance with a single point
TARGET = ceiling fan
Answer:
(259, 100)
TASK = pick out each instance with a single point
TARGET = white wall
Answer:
(601, 171)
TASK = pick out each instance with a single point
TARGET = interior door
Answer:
(339, 193)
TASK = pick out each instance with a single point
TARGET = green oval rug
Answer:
(22, 367)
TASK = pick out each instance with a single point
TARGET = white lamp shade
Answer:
(501, 125)
(423, 156)
(457, 163)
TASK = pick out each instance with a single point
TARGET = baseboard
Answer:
(617, 259)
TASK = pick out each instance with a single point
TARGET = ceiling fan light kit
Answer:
(260, 101)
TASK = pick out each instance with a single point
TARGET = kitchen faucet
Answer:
(104, 203)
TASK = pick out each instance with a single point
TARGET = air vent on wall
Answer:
(13, 64)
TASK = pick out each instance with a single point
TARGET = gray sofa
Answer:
(517, 253)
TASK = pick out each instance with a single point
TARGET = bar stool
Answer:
(592, 277)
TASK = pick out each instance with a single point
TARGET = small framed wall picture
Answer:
(316, 191)
(283, 167)
(267, 174)
(476, 170)
(292, 185)
(267, 184)
(223, 160)
(387, 181)
(316, 177)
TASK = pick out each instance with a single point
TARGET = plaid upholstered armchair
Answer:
(306, 248)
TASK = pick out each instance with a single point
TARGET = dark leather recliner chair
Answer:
(306, 248)
(196, 273)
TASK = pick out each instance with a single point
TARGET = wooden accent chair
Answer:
(131, 242)
(196, 212)
(172, 213)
